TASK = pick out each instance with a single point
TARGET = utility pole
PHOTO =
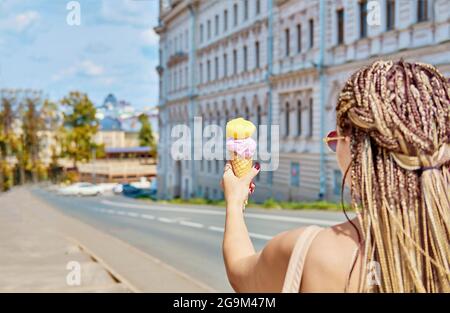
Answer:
(94, 159)
(321, 70)
(268, 77)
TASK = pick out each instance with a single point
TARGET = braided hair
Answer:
(398, 117)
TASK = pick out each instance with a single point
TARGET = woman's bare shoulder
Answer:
(320, 257)
(285, 241)
(328, 259)
(274, 259)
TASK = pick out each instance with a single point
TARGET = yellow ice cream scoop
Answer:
(240, 128)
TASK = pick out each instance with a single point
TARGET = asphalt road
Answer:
(187, 237)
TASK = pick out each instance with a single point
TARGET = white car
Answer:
(118, 189)
(81, 189)
(107, 188)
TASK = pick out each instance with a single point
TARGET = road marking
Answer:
(253, 235)
(270, 217)
(260, 236)
(181, 222)
(303, 220)
(165, 220)
(214, 228)
(159, 208)
(191, 224)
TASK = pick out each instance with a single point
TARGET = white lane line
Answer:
(260, 236)
(270, 217)
(191, 224)
(214, 228)
(165, 220)
(147, 216)
(110, 211)
(160, 208)
(253, 235)
(304, 220)
(182, 222)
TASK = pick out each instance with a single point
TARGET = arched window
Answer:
(247, 113)
(310, 118)
(287, 119)
(299, 118)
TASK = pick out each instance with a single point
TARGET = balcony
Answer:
(280, 2)
(159, 29)
(177, 58)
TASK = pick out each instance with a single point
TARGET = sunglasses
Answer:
(332, 139)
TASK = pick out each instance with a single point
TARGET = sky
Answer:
(113, 49)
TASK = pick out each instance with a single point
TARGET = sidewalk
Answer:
(37, 242)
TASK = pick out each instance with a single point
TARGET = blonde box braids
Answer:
(398, 117)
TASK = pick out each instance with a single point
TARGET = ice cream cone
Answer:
(241, 166)
(241, 146)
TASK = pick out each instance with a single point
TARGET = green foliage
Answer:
(80, 127)
(7, 174)
(146, 136)
(270, 203)
(313, 205)
(32, 123)
(70, 177)
(7, 136)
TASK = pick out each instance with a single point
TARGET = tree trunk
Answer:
(34, 172)
(2, 178)
(22, 174)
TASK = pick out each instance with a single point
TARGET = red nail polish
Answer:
(257, 166)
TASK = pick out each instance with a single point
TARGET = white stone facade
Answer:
(247, 67)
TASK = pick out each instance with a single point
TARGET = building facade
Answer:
(279, 62)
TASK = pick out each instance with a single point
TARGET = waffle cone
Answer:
(241, 166)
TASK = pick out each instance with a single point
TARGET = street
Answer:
(186, 237)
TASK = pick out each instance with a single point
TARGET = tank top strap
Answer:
(294, 271)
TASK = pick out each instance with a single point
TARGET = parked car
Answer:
(108, 188)
(129, 190)
(81, 189)
(118, 189)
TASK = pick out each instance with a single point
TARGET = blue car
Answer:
(134, 192)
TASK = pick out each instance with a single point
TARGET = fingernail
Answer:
(257, 166)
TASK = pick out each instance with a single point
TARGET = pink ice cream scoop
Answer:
(245, 148)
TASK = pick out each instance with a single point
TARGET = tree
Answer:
(146, 137)
(7, 137)
(32, 124)
(51, 119)
(79, 127)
